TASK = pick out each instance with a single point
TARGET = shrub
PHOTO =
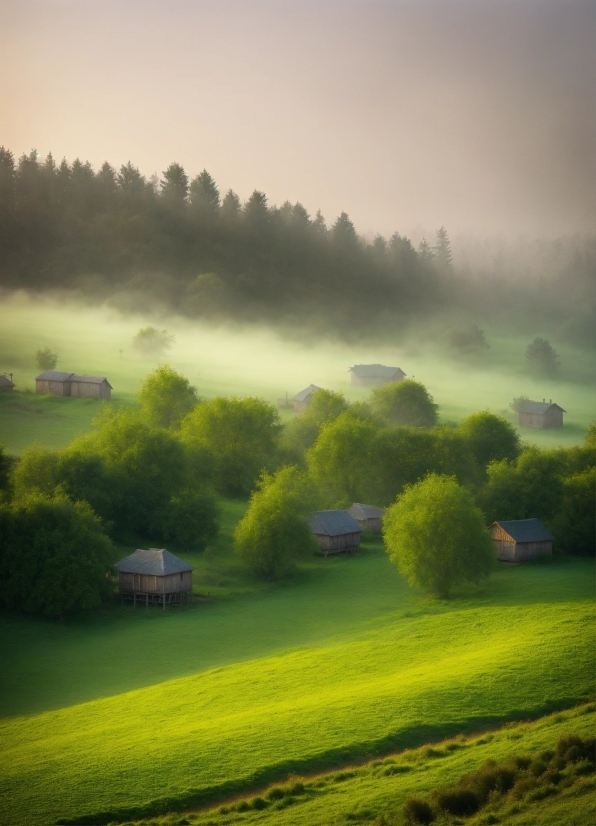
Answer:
(417, 811)
(152, 342)
(459, 802)
(46, 359)
(407, 402)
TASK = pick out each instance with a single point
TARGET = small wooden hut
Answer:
(541, 415)
(154, 576)
(302, 399)
(53, 382)
(69, 384)
(375, 375)
(518, 540)
(6, 383)
(336, 531)
(91, 387)
(369, 517)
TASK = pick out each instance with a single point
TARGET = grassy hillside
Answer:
(259, 362)
(375, 792)
(344, 663)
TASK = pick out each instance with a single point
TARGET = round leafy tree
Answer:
(491, 438)
(407, 402)
(46, 359)
(166, 397)
(542, 358)
(273, 534)
(435, 535)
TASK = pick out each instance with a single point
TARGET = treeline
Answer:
(204, 254)
(182, 245)
(155, 473)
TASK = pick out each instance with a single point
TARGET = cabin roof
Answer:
(6, 382)
(54, 375)
(525, 530)
(154, 562)
(360, 511)
(304, 394)
(375, 371)
(90, 379)
(538, 407)
(333, 523)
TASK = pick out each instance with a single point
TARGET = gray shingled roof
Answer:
(90, 379)
(6, 382)
(360, 511)
(375, 371)
(54, 375)
(526, 530)
(333, 523)
(538, 407)
(154, 562)
(304, 394)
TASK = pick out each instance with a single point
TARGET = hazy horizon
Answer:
(408, 116)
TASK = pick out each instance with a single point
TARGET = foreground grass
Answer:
(318, 674)
(375, 792)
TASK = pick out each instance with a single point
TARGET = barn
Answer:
(6, 384)
(91, 387)
(375, 375)
(336, 531)
(154, 576)
(54, 382)
(69, 384)
(302, 399)
(518, 540)
(541, 415)
(369, 517)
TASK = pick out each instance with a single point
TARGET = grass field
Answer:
(254, 361)
(140, 709)
(362, 793)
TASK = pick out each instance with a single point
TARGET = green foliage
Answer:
(273, 534)
(343, 458)
(591, 435)
(530, 487)
(406, 402)
(46, 359)
(166, 397)
(491, 438)
(542, 358)
(6, 466)
(436, 536)
(153, 342)
(189, 518)
(470, 339)
(241, 436)
(574, 525)
(54, 555)
(301, 432)
(518, 402)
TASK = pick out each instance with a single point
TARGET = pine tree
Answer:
(442, 250)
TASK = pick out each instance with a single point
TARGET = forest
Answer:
(185, 247)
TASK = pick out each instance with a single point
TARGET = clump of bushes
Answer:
(520, 777)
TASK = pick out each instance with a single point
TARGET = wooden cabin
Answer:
(518, 540)
(69, 384)
(302, 400)
(375, 375)
(6, 384)
(91, 387)
(336, 531)
(369, 517)
(154, 576)
(541, 415)
(53, 382)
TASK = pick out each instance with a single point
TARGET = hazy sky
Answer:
(479, 115)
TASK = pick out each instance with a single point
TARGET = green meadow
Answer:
(259, 361)
(143, 712)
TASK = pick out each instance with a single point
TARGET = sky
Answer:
(479, 115)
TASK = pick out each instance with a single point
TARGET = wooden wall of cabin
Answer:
(337, 544)
(56, 388)
(147, 584)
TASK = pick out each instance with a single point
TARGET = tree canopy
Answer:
(491, 438)
(273, 534)
(406, 402)
(166, 397)
(436, 536)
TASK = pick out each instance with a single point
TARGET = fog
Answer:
(408, 115)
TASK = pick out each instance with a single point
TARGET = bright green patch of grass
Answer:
(321, 672)
(375, 792)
